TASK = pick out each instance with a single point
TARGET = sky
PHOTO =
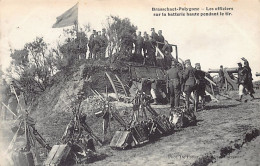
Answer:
(211, 41)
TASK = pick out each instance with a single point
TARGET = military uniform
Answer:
(189, 79)
(139, 44)
(167, 49)
(97, 47)
(221, 77)
(91, 44)
(160, 39)
(104, 44)
(200, 86)
(150, 52)
(175, 79)
(241, 80)
(248, 81)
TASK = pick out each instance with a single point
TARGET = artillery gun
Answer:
(230, 79)
(28, 153)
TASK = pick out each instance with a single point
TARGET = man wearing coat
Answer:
(174, 77)
(189, 81)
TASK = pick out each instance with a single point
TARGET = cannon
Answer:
(257, 74)
(230, 80)
(229, 70)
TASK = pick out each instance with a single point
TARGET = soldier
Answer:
(104, 43)
(150, 51)
(82, 40)
(248, 81)
(242, 76)
(154, 35)
(139, 42)
(167, 50)
(160, 39)
(146, 38)
(97, 45)
(200, 86)
(221, 77)
(189, 81)
(91, 44)
(174, 77)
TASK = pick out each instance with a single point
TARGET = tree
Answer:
(33, 66)
(76, 44)
(120, 33)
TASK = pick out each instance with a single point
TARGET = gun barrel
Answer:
(257, 74)
(230, 70)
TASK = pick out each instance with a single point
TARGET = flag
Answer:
(70, 17)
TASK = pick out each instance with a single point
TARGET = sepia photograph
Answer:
(108, 82)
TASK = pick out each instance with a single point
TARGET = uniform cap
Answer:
(187, 61)
(152, 28)
(197, 64)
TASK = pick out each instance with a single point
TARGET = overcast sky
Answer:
(212, 41)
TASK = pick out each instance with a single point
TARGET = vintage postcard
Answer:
(108, 82)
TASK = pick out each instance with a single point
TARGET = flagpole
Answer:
(77, 22)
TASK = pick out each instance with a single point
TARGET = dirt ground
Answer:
(221, 127)
(226, 134)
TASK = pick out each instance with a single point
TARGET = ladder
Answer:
(117, 85)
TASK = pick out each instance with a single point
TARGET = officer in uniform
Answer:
(241, 80)
(200, 86)
(104, 43)
(174, 78)
(150, 51)
(189, 81)
(154, 36)
(139, 44)
(221, 77)
(97, 45)
(160, 39)
(248, 83)
(91, 44)
(167, 50)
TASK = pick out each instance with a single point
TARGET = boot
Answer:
(252, 96)
(203, 103)
(195, 106)
(240, 98)
(154, 102)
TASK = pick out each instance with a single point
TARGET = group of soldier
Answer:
(186, 80)
(146, 47)
(97, 44)
(142, 46)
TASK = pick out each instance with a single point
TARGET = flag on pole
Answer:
(70, 17)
